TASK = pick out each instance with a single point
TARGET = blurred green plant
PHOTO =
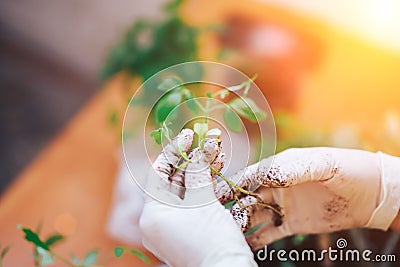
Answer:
(149, 46)
(43, 253)
(3, 252)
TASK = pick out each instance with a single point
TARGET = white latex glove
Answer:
(201, 236)
(319, 190)
(127, 205)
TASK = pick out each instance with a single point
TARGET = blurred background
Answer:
(329, 69)
(51, 53)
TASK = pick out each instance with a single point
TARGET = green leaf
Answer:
(75, 260)
(166, 104)
(287, 264)
(34, 238)
(248, 109)
(174, 98)
(298, 239)
(229, 204)
(184, 155)
(140, 255)
(113, 118)
(4, 251)
(169, 84)
(200, 129)
(157, 135)
(223, 93)
(255, 228)
(118, 251)
(232, 120)
(45, 257)
(173, 41)
(172, 6)
(53, 239)
(214, 132)
(235, 87)
(90, 258)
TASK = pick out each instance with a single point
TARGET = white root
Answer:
(243, 212)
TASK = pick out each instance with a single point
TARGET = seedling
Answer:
(44, 253)
(3, 252)
(245, 107)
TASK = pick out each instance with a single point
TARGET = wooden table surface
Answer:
(69, 186)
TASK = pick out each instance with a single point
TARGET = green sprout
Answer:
(3, 252)
(150, 46)
(44, 254)
(177, 93)
(237, 108)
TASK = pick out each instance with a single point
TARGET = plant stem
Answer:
(247, 84)
(246, 192)
(207, 110)
(198, 104)
(183, 165)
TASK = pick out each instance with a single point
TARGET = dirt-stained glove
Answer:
(319, 190)
(205, 235)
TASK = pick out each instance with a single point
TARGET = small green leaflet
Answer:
(113, 118)
(75, 260)
(45, 257)
(157, 135)
(53, 239)
(118, 251)
(34, 238)
(140, 255)
(229, 204)
(298, 239)
(214, 132)
(166, 104)
(160, 133)
(200, 129)
(235, 87)
(255, 228)
(169, 83)
(184, 155)
(232, 120)
(248, 109)
(4, 251)
(90, 258)
(223, 93)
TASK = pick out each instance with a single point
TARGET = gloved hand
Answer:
(190, 236)
(319, 190)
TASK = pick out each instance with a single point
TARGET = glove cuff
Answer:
(384, 214)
